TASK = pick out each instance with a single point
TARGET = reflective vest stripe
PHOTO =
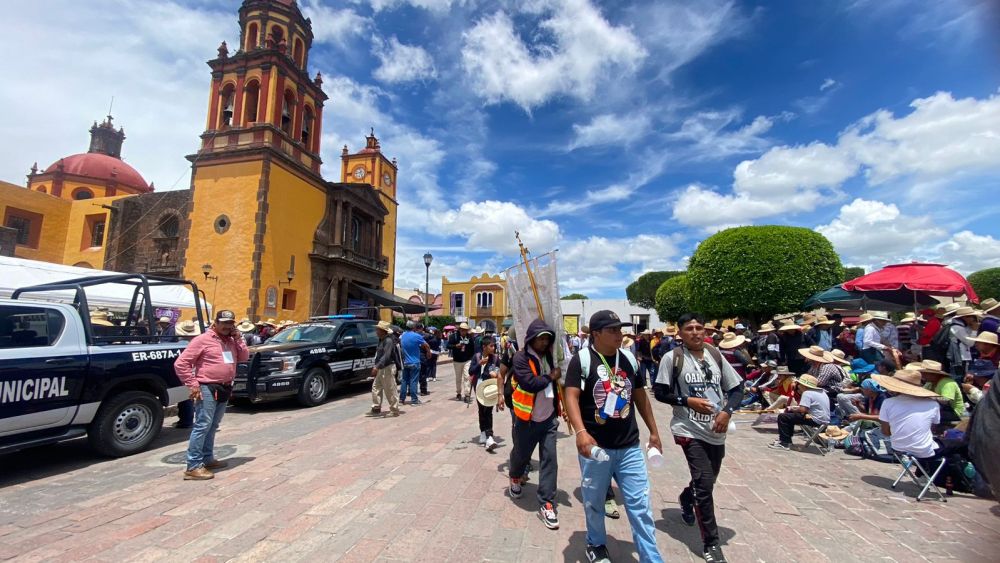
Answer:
(524, 401)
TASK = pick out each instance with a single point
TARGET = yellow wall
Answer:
(296, 208)
(468, 289)
(74, 250)
(229, 189)
(386, 193)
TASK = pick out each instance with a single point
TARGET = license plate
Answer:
(239, 387)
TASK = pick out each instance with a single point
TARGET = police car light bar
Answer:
(330, 317)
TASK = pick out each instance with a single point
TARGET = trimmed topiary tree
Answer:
(986, 283)
(759, 271)
(642, 292)
(673, 298)
(853, 272)
(574, 296)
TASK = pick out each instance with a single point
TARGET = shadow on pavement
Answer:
(576, 549)
(290, 404)
(671, 524)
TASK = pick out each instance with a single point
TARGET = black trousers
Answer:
(704, 462)
(526, 435)
(425, 368)
(787, 422)
(485, 418)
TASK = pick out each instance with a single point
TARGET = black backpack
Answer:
(940, 344)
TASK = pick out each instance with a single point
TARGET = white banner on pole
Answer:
(522, 301)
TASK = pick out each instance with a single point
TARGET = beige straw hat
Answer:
(905, 382)
(731, 340)
(816, 354)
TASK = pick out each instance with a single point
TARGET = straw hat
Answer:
(478, 330)
(186, 328)
(807, 381)
(823, 321)
(711, 327)
(627, 342)
(245, 326)
(783, 370)
(987, 337)
(164, 320)
(865, 318)
(989, 304)
(731, 340)
(905, 382)
(834, 433)
(101, 318)
(880, 316)
(930, 366)
(816, 354)
(766, 327)
(964, 311)
(270, 322)
(646, 332)
(463, 326)
(487, 392)
(950, 308)
(840, 357)
(384, 326)
(670, 331)
(908, 318)
(789, 326)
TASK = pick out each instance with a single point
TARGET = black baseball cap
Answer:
(225, 316)
(606, 319)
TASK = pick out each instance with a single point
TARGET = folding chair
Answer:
(908, 461)
(812, 435)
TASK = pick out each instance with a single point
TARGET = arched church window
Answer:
(82, 193)
(42, 189)
(228, 97)
(251, 99)
(277, 34)
(169, 226)
(287, 108)
(297, 53)
(251, 39)
(307, 123)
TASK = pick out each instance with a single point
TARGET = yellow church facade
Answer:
(479, 301)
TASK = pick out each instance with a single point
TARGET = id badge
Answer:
(227, 356)
(609, 404)
(548, 392)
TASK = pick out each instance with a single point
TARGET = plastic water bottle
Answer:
(597, 453)
(655, 457)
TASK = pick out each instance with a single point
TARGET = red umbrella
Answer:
(931, 279)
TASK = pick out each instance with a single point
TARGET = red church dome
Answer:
(101, 167)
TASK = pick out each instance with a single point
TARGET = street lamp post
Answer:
(207, 270)
(427, 285)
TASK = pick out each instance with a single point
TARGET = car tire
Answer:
(315, 387)
(126, 424)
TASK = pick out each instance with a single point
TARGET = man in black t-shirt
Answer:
(602, 405)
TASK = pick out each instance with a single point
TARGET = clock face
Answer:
(386, 179)
(359, 172)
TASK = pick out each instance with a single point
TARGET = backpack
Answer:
(678, 363)
(585, 364)
(941, 342)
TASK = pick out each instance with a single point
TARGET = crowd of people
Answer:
(908, 387)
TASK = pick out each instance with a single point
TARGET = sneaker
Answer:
(394, 412)
(687, 511)
(515, 489)
(777, 445)
(482, 438)
(491, 444)
(713, 554)
(199, 474)
(611, 510)
(424, 393)
(182, 425)
(416, 402)
(597, 554)
(548, 514)
(458, 396)
(467, 399)
(376, 410)
(216, 464)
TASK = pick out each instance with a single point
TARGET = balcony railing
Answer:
(484, 311)
(344, 253)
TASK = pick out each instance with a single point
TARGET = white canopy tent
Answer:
(19, 272)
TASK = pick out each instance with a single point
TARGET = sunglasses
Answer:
(707, 370)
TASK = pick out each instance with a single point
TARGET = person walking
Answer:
(485, 366)
(413, 347)
(460, 345)
(601, 402)
(385, 380)
(207, 368)
(536, 410)
(694, 378)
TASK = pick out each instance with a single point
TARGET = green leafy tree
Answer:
(574, 296)
(853, 272)
(759, 271)
(673, 298)
(438, 321)
(642, 292)
(986, 283)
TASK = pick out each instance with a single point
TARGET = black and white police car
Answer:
(308, 359)
(62, 376)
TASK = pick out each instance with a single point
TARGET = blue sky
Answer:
(622, 133)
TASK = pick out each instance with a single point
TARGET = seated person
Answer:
(852, 395)
(870, 404)
(813, 410)
(779, 392)
(908, 414)
(941, 382)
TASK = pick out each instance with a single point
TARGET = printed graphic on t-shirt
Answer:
(612, 395)
(698, 387)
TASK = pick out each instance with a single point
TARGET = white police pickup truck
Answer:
(63, 376)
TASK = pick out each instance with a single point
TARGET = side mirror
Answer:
(347, 341)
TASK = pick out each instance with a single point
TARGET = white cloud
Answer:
(402, 63)
(709, 135)
(876, 233)
(585, 49)
(827, 84)
(651, 164)
(431, 5)
(610, 129)
(491, 225)
(334, 26)
(968, 252)
(598, 264)
(940, 141)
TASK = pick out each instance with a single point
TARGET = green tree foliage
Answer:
(574, 296)
(673, 298)
(438, 321)
(759, 271)
(853, 272)
(642, 292)
(986, 283)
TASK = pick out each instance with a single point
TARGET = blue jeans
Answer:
(411, 376)
(207, 416)
(628, 467)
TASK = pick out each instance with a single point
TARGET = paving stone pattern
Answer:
(331, 483)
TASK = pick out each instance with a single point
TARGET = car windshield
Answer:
(305, 333)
